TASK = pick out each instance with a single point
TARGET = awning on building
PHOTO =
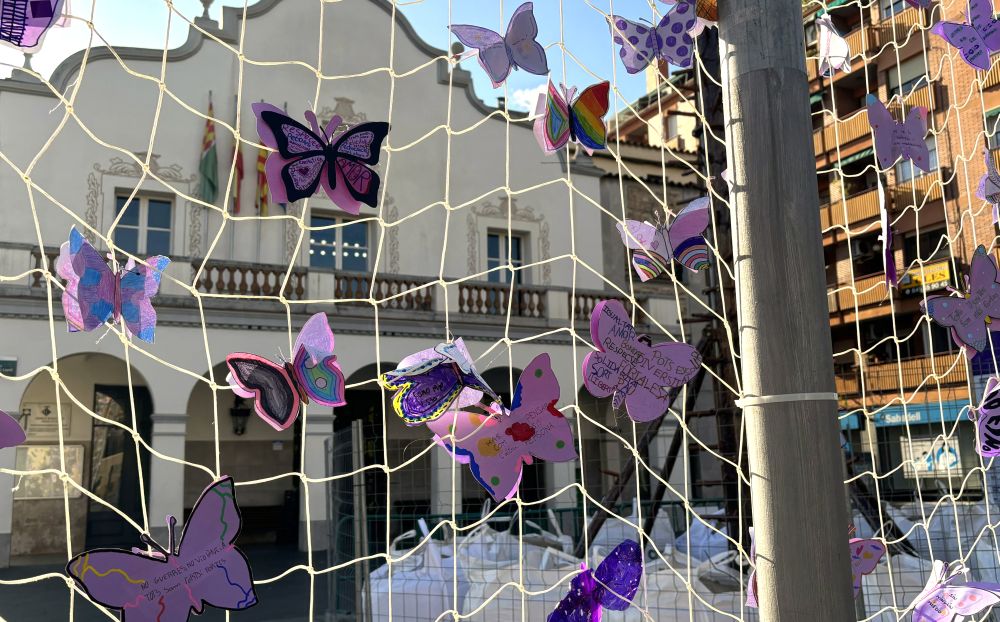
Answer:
(854, 157)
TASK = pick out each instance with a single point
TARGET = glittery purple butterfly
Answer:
(969, 316)
(634, 372)
(893, 139)
(306, 159)
(987, 418)
(11, 434)
(641, 44)
(95, 294)
(497, 447)
(518, 48)
(976, 40)
(612, 586)
(947, 598)
(278, 390)
(23, 22)
(166, 585)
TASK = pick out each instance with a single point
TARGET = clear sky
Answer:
(576, 26)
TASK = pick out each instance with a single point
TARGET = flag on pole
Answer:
(263, 192)
(239, 178)
(208, 168)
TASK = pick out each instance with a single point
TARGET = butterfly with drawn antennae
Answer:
(498, 54)
(305, 159)
(669, 40)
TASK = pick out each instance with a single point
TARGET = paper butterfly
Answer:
(888, 258)
(95, 293)
(977, 40)
(628, 368)
(278, 390)
(653, 245)
(166, 585)
(429, 382)
(834, 53)
(612, 586)
(309, 158)
(496, 447)
(11, 434)
(582, 121)
(893, 139)
(23, 22)
(865, 555)
(518, 48)
(706, 10)
(641, 44)
(947, 598)
(987, 418)
(968, 316)
(989, 185)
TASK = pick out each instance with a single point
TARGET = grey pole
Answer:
(799, 505)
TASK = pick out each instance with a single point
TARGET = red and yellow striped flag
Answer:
(238, 182)
(263, 193)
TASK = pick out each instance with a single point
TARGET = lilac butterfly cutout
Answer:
(612, 586)
(968, 316)
(641, 44)
(166, 585)
(865, 555)
(95, 294)
(701, 23)
(431, 381)
(834, 53)
(278, 390)
(634, 372)
(653, 245)
(989, 185)
(305, 159)
(893, 139)
(947, 598)
(495, 447)
(11, 434)
(23, 22)
(977, 40)
(518, 48)
(987, 418)
(888, 259)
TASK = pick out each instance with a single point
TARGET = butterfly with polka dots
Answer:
(670, 40)
(496, 446)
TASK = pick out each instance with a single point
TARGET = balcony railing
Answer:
(858, 207)
(250, 279)
(896, 28)
(871, 290)
(919, 371)
(918, 191)
(36, 279)
(493, 299)
(394, 292)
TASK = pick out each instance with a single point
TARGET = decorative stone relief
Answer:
(292, 231)
(391, 215)
(344, 108)
(499, 209)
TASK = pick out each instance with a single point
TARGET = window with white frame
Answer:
(338, 243)
(145, 225)
(905, 171)
(993, 128)
(499, 247)
(907, 77)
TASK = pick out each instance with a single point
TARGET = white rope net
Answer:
(493, 565)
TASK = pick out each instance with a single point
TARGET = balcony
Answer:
(882, 380)
(897, 28)
(917, 191)
(856, 208)
(871, 290)
(249, 279)
(494, 298)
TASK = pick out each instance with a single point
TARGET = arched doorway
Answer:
(99, 453)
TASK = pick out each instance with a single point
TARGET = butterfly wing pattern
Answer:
(138, 286)
(497, 54)
(989, 184)
(207, 568)
(893, 139)
(11, 434)
(315, 365)
(967, 316)
(637, 374)
(976, 40)
(612, 586)
(496, 447)
(559, 122)
(24, 22)
(988, 420)
(670, 40)
(685, 234)
(947, 598)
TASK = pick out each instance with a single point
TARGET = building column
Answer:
(441, 480)
(166, 478)
(6, 503)
(317, 440)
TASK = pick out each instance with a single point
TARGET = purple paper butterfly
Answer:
(95, 294)
(166, 585)
(989, 185)
(23, 22)
(968, 316)
(700, 23)
(518, 48)
(893, 140)
(278, 390)
(306, 159)
(987, 418)
(946, 598)
(653, 245)
(612, 586)
(496, 447)
(429, 382)
(11, 434)
(630, 369)
(888, 259)
(977, 40)
(641, 44)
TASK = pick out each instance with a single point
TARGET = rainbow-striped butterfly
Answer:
(560, 121)
(653, 245)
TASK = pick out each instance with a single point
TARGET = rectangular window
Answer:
(929, 241)
(906, 77)
(144, 228)
(993, 129)
(891, 7)
(338, 247)
(499, 248)
(905, 170)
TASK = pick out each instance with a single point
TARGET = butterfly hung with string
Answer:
(670, 40)
(562, 119)
(500, 54)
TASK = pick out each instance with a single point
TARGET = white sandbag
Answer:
(708, 536)
(951, 534)
(909, 575)
(614, 530)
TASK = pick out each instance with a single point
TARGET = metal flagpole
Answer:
(789, 404)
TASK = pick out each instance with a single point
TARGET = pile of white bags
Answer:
(614, 530)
